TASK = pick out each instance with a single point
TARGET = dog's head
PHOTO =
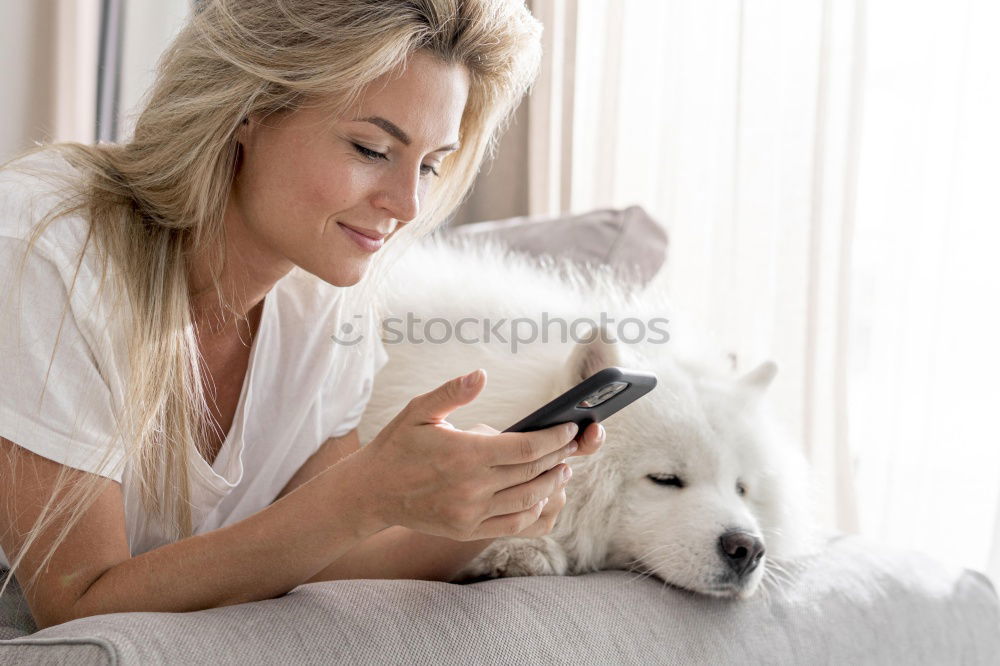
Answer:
(693, 483)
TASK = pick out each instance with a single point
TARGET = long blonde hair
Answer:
(157, 199)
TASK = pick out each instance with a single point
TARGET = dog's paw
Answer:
(506, 558)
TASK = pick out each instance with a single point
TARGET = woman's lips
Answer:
(363, 241)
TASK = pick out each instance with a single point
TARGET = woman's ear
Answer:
(242, 131)
(241, 137)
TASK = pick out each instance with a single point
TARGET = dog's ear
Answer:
(596, 350)
(751, 387)
(759, 378)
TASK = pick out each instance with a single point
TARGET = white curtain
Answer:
(828, 174)
(76, 58)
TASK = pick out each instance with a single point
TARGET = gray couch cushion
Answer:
(858, 602)
(628, 239)
(15, 616)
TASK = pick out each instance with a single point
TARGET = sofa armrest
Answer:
(855, 602)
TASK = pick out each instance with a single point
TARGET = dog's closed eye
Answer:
(666, 480)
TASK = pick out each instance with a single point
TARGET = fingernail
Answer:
(567, 472)
(544, 502)
(571, 449)
(572, 429)
(602, 434)
(470, 379)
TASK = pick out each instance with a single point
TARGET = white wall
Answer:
(149, 27)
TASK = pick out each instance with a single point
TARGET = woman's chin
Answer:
(345, 274)
(346, 280)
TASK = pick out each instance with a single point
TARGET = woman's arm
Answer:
(260, 557)
(395, 552)
(399, 552)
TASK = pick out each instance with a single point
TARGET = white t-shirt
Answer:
(291, 401)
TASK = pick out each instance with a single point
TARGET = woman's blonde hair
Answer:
(159, 198)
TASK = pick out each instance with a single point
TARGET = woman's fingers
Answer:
(534, 522)
(547, 520)
(525, 496)
(512, 448)
(591, 439)
(483, 429)
(537, 473)
(508, 476)
(508, 525)
(501, 445)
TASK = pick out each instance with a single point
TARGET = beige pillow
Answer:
(627, 239)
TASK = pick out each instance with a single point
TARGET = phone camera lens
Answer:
(603, 395)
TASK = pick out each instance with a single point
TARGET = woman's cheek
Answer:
(346, 186)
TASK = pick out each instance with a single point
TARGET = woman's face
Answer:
(301, 185)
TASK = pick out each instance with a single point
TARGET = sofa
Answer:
(856, 601)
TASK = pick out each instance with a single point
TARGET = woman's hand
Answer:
(590, 441)
(428, 476)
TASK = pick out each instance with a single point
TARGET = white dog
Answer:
(693, 483)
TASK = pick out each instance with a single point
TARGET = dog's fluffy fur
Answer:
(703, 432)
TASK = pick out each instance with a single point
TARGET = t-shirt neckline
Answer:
(227, 469)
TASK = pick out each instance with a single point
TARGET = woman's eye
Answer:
(370, 154)
(425, 169)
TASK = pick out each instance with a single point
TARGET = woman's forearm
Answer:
(399, 552)
(260, 557)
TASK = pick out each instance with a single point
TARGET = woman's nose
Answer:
(399, 195)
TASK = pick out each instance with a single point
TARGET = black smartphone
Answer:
(594, 399)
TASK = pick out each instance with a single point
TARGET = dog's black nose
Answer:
(742, 551)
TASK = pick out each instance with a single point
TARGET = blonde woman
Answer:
(187, 337)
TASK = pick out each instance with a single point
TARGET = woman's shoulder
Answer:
(38, 175)
(33, 186)
(62, 263)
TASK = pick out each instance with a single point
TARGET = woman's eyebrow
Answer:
(393, 129)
